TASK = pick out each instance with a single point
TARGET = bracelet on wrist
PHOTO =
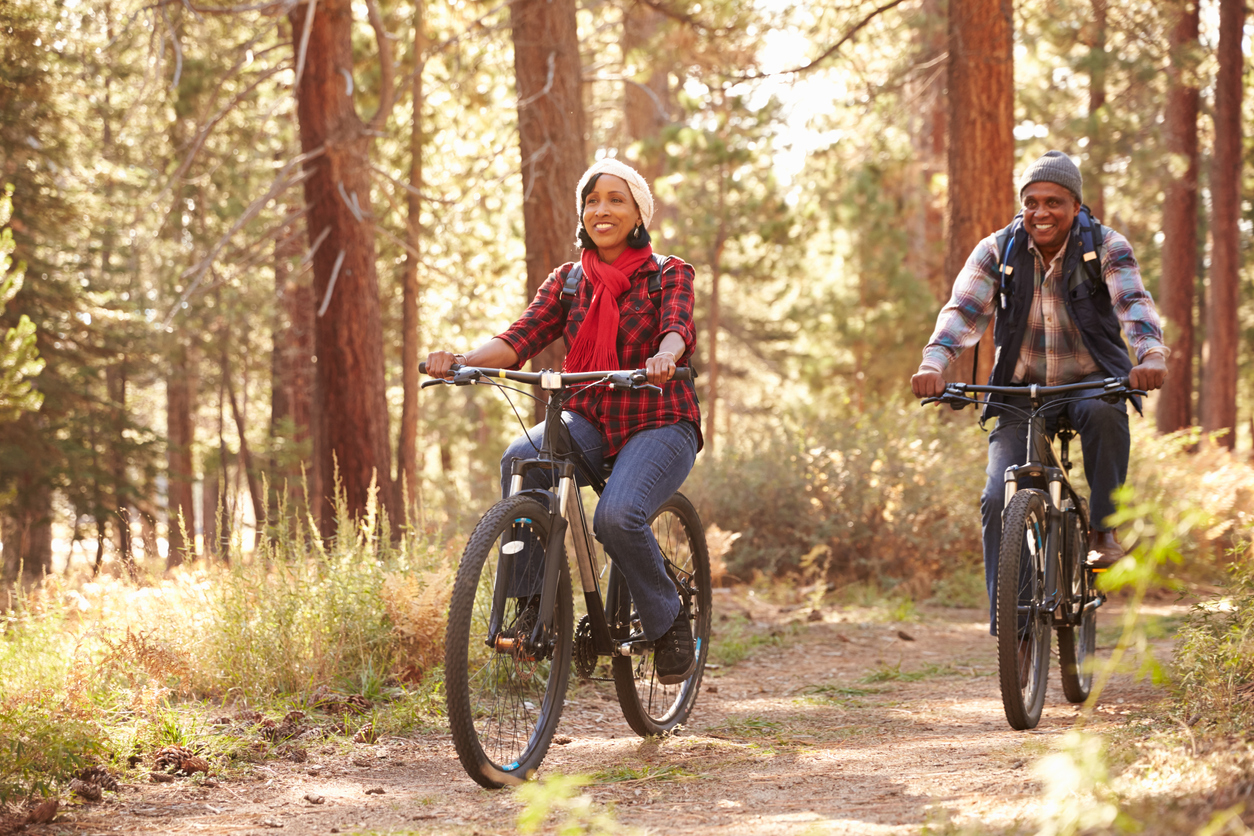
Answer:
(460, 359)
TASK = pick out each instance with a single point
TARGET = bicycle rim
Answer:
(504, 702)
(1077, 643)
(1023, 634)
(649, 706)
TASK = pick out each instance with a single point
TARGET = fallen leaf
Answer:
(314, 798)
(44, 812)
(375, 791)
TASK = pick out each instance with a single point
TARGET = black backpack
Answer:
(571, 286)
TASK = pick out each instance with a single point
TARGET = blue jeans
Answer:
(647, 470)
(1104, 440)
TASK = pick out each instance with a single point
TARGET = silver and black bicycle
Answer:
(1042, 577)
(511, 634)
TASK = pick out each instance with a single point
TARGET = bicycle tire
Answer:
(1021, 618)
(503, 707)
(1077, 643)
(650, 707)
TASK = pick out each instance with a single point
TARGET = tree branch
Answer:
(831, 50)
(387, 72)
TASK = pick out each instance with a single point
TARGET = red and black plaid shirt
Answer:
(642, 323)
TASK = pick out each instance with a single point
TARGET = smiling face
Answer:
(1048, 212)
(609, 215)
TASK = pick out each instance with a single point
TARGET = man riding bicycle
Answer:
(1059, 286)
(620, 307)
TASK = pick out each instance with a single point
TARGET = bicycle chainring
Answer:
(585, 651)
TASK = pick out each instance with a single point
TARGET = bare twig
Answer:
(409, 188)
(387, 73)
(831, 50)
(683, 17)
(178, 50)
(352, 204)
(304, 44)
(548, 82)
(335, 274)
(322, 236)
(283, 182)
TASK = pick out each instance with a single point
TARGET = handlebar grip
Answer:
(685, 373)
(422, 367)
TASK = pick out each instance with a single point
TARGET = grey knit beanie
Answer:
(1054, 167)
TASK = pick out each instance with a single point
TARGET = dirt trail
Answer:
(839, 726)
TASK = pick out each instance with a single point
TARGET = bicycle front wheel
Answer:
(1077, 642)
(505, 694)
(1023, 634)
(649, 706)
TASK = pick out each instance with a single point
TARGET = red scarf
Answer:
(596, 345)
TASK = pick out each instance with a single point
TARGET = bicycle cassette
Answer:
(585, 651)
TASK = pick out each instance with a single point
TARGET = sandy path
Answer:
(793, 739)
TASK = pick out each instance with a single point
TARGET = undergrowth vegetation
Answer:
(889, 496)
(100, 671)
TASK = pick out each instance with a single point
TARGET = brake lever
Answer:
(436, 381)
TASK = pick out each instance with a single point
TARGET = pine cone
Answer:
(99, 776)
(193, 765)
(86, 791)
(294, 752)
(278, 732)
(366, 734)
(294, 717)
(172, 757)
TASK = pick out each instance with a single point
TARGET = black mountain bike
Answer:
(1042, 576)
(511, 637)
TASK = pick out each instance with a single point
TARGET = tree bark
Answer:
(245, 453)
(1219, 365)
(115, 385)
(1179, 258)
(407, 444)
(353, 440)
(928, 122)
(292, 374)
(981, 144)
(551, 138)
(27, 555)
(1094, 190)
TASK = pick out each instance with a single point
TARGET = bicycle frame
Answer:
(1044, 472)
(558, 498)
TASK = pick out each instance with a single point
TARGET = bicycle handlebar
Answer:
(960, 393)
(624, 378)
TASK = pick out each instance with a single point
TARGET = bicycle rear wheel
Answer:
(649, 706)
(1023, 633)
(1077, 643)
(505, 696)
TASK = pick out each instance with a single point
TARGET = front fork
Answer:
(1051, 542)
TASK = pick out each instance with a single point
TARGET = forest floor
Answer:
(837, 721)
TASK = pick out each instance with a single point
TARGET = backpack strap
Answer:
(1005, 243)
(570, 287)
(1092, 237)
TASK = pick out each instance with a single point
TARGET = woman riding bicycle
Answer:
(620, 317)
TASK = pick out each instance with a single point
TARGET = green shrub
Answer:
(892, 494)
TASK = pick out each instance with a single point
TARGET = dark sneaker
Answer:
(674, 654)
(1104, 550)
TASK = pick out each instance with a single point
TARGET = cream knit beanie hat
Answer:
(635, 182)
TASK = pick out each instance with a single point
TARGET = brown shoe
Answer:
(1104, 550)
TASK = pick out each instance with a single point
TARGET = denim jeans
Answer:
(647, 470)
(1104, 441)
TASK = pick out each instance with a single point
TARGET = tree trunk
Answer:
(981, 144)
(292, 373)
(928, 126)
(115, 384)
(1219, 366)
(1094, 191)
(353, 439)
(715, 316)
(1179, 259)
(27, 533)
(551, 138)
(245, 454)
(407, 444)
